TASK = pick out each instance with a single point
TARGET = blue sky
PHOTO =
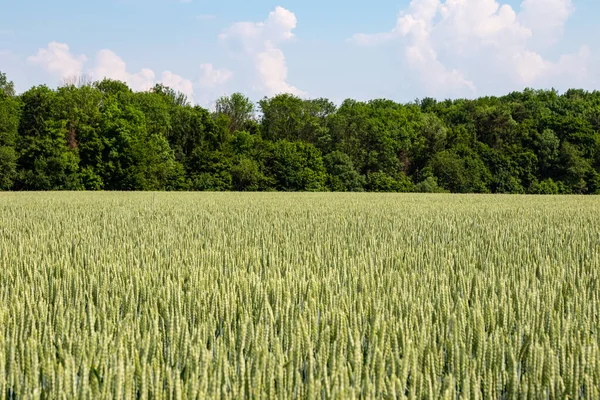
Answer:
(337, 49)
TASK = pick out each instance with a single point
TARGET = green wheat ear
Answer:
(298, 296)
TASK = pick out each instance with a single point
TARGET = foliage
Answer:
(342, 176)
(9, 123)
(246, 175)
(382, 182)
(104, 136)
(298, 166)
(47, 161)
(429, 185)
(237, 108)
(461, 171)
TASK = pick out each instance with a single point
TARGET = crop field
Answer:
(247, 296)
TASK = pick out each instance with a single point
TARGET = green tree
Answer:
(193, 128)
(9, 123)
(102, 135)
(548, 145)
(342, 177)
(131, 158)
(547, 186)
(238, 108)
(461, 172)
(575, 168)
(79, 107)
(289, 117)
(247, 175)
(155, 167)
(429, 185)
(298, 166)
(381, 182)
(47, 161)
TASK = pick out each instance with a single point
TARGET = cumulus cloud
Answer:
(259, 41)
(546, 18)
(212, 76)
(57, 59)
(109, 65)
(458, 47)
(178, 83)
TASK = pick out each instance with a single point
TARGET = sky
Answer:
(395, 49)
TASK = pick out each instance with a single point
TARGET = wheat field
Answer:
(294, 296)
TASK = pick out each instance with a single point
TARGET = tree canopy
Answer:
(104, 136)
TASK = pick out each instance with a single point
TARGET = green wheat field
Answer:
(294, 296)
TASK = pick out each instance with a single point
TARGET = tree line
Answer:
(104, 136)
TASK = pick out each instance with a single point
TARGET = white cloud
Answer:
(109, 65)
(57, 59)
(458, 46)
(272, 71)
(178, 83)
(212, 77)
(259, 42)
(546, 18)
